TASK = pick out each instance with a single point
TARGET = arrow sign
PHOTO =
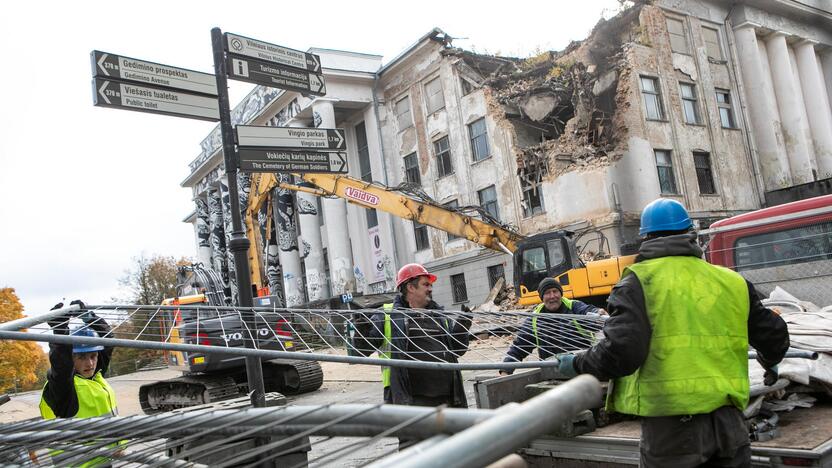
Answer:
(119, 67)
(274, 75)
(240, 45)
(157, 100)
(253, 159)
(322, 139)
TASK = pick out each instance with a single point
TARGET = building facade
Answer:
(722, 106)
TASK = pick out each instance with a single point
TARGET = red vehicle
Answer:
(786, 245)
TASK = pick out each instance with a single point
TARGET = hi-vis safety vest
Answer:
(386, 348)
(95, 398)
(698, 358)
(568, 303)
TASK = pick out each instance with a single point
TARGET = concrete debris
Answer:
(500, 298)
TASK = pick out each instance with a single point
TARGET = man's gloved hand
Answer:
(78, 303)
(771, 376)
(59, 324)
(566, 367)
(59, 305)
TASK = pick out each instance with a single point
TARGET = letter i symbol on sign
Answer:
(241, 66)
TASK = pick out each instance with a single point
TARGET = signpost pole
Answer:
(238, 244)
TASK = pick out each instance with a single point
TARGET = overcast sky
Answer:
(85, 189)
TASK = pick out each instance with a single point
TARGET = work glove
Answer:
(566, 367)
(771, 375)
(59, 324)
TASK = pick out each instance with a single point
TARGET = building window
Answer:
(664, 165)
(678, 40)
(726, 111)
(364, 166)
(466, 86)
(433, 96)
(442, 149)
(711, 38)
(479, 139)
(411, 169)
(652, 98)
(372, 217)
(452, 205)
(704, 173)
(495, 272)
(421, 233)
(689, 104)
(530, 180)
(403, 113)
(488, 201)
(460, 292)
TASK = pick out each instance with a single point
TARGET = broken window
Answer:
(704, 173)
(479, 139)
(711, 38)
(433, 96)
(678, 39)
(652, 98)
(411, 169)
(488, 201)
(451, 205)
(689, 105)
(726, 110)
(530, 178)
(495, 272)
(420, 232)
(664, 166)
(458, 288)
(403, 113)
(442, 148)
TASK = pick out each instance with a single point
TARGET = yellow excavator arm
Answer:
(369, 195)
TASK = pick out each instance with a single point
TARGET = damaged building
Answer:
(723, 106)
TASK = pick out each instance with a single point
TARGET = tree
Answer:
(23, 364)
(150, 281)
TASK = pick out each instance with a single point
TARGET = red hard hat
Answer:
(412, 270)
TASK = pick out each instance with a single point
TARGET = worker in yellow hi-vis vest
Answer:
(676, 347)
(75, 385)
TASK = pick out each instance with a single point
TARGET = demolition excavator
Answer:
(212, 377)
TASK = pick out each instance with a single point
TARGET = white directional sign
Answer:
(112, 66)
(322, 139)
(254, 159)
(121, 95)
(272, 53)
(275, 76)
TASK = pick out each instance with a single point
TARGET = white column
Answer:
(817, 109)
(202, 227)
(826, 71)
(309, 242)
(335, 214)
(283, 205)
(765, 122)
(789, 103)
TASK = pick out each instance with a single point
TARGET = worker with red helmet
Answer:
(414, 327)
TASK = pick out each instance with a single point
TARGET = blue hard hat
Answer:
(664, 214)
(85, 348)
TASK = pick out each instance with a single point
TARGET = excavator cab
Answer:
(550, 254)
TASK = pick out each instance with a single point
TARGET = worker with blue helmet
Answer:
(75, 385)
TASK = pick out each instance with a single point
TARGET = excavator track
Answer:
(292, 377)
(186, 391)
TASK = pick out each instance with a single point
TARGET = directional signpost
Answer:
(275, 76)
(240, 45)
(254, 159)
(138, 85)
(325, 139)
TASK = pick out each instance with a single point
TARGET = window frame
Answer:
(707, 43)
(441, 157)
(495, 201)
(683, 35)
(407, 170)
(656, 93)
(704, 172)
(421, 236)
(452, 204)
(429, 98)
(492, 278)
(461, 277)
(694, 102)
(399, 116)
(726, 106)
(484, 138)
(668, 169)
